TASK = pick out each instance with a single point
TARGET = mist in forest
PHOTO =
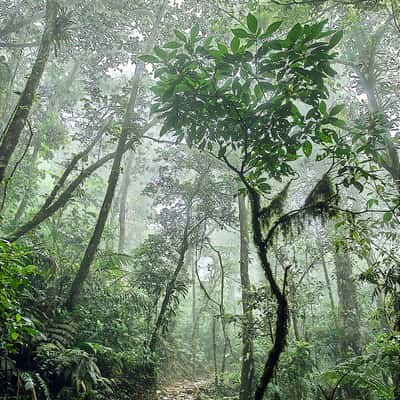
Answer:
(199, 199)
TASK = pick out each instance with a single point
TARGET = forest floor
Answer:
(185, 390)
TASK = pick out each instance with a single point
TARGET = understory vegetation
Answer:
(199, 200)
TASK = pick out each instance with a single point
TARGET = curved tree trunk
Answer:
(13, 130)
(94, 242)
(282, 313)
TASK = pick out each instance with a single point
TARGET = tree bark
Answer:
(94, 242)
(13, 130)
(126, 180)
(282, 313)
(28, 188)
(214, 351)
(329, 287)
(349, 320)
(51, 205)
(192, 265)
(247, 369)
(170, 288)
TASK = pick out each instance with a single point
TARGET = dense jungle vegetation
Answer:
(200, 199)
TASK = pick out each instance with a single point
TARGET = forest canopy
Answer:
(199, 200)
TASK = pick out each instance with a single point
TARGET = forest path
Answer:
(185, 390)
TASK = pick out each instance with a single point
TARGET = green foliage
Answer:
(296, 372)
(15, 273)
(249, 97)
(367, 373)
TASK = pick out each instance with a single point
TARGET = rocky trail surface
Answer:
(185, 390)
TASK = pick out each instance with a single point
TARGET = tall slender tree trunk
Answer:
(388, 159)
(126, 180)
(94, 242)
(329, 288)
(293, 309)
(161, 318)
(349, 320)
(16, 124)
(247, 369)
(214, 350)
(28, 188)
(15, 63)
(192, 264)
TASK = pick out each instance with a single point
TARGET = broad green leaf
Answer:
(295, 33)
(317, 28)
(335, 39)
(387, 216)
(222, 48)
(181, 36)
(325, 138)
(161, 53)
(172, 45)
(336, 110)
(194, 32)
(148, 58)
(322, 107)
(337, 122)
(252, 23)
(307, 148)
(235, 44)
(275, 44)
(266, 86)
(271, 29)
(240, 33)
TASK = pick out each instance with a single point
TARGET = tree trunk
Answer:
(293, 310)
(94, 242)
(282, 313)
(13, 130)
(191, 264)
(214, 347)
(247, 370)
(349, 320)
(170, 288)
(329, 287)
(28, 188)
(126, 180)
(51, 205)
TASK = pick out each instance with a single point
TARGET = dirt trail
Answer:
(185, 390)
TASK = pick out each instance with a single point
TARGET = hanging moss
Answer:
(318, 204)
(275, 208)
(321, 199)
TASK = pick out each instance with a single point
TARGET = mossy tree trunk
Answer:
(282, 312)
(16, 124)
